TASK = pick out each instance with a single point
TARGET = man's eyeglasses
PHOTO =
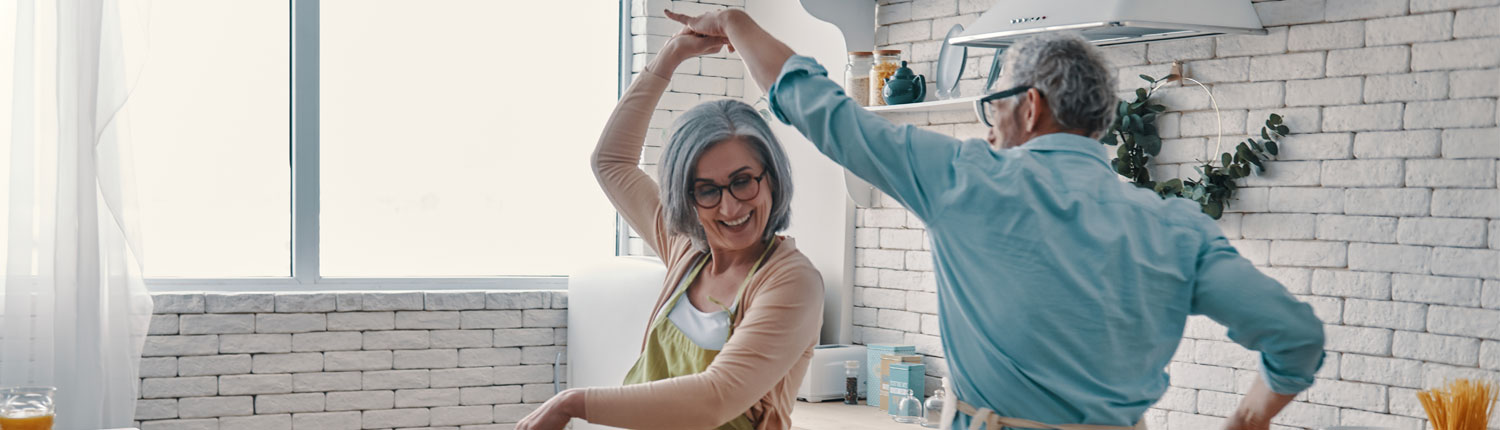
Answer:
(982, 107)
(743, 187)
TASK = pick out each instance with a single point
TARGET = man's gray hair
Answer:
(694, 132)
(1071, 75)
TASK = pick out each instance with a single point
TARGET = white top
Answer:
(708, 330)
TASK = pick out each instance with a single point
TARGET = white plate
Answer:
(950, 65)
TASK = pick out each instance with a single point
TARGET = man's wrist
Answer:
(1244, 417)
(732, 19)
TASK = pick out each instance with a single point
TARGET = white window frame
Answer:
(306, 188)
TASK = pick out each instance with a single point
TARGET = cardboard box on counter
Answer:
(872, 368)
(886, 361)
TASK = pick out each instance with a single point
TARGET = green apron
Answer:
(669, 353)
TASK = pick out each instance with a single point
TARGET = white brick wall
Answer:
(350, 360)
(1383, 213)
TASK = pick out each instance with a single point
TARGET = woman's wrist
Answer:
(665, 62)
(573, 403)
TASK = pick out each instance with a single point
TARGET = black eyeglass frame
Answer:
(719, 190)
(983, 103)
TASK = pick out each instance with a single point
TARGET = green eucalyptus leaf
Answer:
(1151, 144)
(1140, 93)
(1283, 130)
(1225, 158)
(1271, 147)
(1109, 139)
(1263, 134)
(1251, 157)
(1275, 119)
(1157, 108)
(1123, 109)
(1214, 209)
(1148, 79)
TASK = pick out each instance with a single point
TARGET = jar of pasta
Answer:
(885, 64)
(857, 76)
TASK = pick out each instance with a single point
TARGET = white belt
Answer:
(987, 418)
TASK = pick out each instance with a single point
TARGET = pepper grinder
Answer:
(851, 382)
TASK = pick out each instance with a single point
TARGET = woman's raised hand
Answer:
(708, 24)
(687, 44)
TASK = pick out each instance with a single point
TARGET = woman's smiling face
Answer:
(732, 224)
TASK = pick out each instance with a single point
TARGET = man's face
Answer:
(1005, 120)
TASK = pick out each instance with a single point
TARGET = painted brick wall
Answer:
(1383, 212)
(697, 80)
(453, 359)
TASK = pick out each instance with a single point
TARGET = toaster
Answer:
(825, 372)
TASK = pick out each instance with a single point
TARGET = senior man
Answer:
(1063, 292)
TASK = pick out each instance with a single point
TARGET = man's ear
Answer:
(1033, 110)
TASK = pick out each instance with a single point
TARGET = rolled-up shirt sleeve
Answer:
(1260, 315)
(906, 162)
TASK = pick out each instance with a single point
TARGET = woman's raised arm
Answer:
(617, 157)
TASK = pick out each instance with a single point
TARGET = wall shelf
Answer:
(962, 103)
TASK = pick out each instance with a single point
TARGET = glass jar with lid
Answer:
(857, 76)
(885, 64)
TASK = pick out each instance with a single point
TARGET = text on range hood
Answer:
(1111, 22)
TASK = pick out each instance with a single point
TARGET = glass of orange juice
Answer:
(26, 408)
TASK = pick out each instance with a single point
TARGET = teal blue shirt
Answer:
(1062, 290)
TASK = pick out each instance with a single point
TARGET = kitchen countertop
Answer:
(839, 416)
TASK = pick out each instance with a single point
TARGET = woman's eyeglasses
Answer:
(743, 187)
(983, 109)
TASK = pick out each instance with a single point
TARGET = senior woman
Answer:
(734, 327)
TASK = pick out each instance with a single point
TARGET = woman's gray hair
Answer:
(1071, 75)
(700, 128)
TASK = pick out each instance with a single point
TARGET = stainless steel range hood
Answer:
(1111, 22)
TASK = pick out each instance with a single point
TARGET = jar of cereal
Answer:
(885, 64)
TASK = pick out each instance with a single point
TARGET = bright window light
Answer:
(456, 136)
(209, 122)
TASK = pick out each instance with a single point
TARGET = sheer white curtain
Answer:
(75, 311)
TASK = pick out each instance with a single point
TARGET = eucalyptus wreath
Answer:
(1135, 137)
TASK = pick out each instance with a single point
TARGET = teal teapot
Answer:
(904, 87)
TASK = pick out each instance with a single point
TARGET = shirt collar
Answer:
(1070, 143)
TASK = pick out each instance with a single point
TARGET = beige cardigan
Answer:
(762, 365)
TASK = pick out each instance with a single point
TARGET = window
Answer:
(456, 134)
(448, 141)
(209, 118)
